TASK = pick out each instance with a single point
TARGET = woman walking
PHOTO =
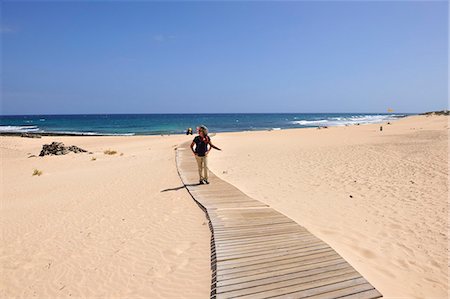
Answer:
(201, 151)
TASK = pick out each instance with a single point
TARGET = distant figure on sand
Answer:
(189, 131)
(201, 151)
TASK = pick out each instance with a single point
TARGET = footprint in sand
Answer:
(178, 250)
(368, 254)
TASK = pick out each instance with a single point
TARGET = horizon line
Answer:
(211, 113)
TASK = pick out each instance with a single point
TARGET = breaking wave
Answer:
(18, 129)
(351, 120)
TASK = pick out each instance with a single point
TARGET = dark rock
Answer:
(442, 112)
(58, 148)
(351, 196)
(76, 149)
(29, 135)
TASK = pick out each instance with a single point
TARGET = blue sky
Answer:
(175, 57)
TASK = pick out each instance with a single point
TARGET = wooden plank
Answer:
(274, 276)
(244, 214)
(256, 229)
(307, 291)
(283, 287)
(230, 201)
(302, 265)
(270, 238)
(287, 280)
(252, 224)
(269, 251)
(306, 255)
(353, 291)
(227, 205)
(250, 221)
(222, 255)
(218, 226)
(257, 242)
(262, 234)
(271, 245)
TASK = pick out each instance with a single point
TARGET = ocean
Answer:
(156, 124)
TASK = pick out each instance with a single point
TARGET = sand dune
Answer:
(100, 228)
(378, 198)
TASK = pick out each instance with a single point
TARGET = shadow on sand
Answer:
(178, 188)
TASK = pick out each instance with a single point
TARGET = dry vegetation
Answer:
(37, 172)
(110, 152)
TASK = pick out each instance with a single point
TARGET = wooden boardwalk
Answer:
(257, 252)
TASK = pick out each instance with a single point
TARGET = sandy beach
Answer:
(103, 227)
(122, 225)
(378, 198)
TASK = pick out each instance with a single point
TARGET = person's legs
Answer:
(205, 167)
(200, 166)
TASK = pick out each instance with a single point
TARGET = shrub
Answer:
(110, 152)
(37, 172)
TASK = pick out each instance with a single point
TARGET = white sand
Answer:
(100, 228)
(103, 228)
(394, 229)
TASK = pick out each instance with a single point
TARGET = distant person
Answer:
(201, 151)
(189, 131)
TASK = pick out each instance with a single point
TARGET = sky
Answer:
(223, 57)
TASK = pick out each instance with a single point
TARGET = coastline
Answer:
(174, 124)
(123, 225)
(37, 134)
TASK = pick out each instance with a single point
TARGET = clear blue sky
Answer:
(155, 57)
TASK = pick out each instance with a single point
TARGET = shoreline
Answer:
(62, 134)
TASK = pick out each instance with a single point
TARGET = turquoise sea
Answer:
(155, 124)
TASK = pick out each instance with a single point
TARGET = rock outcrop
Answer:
(30, 135)
(58, 148)
(442, 112)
